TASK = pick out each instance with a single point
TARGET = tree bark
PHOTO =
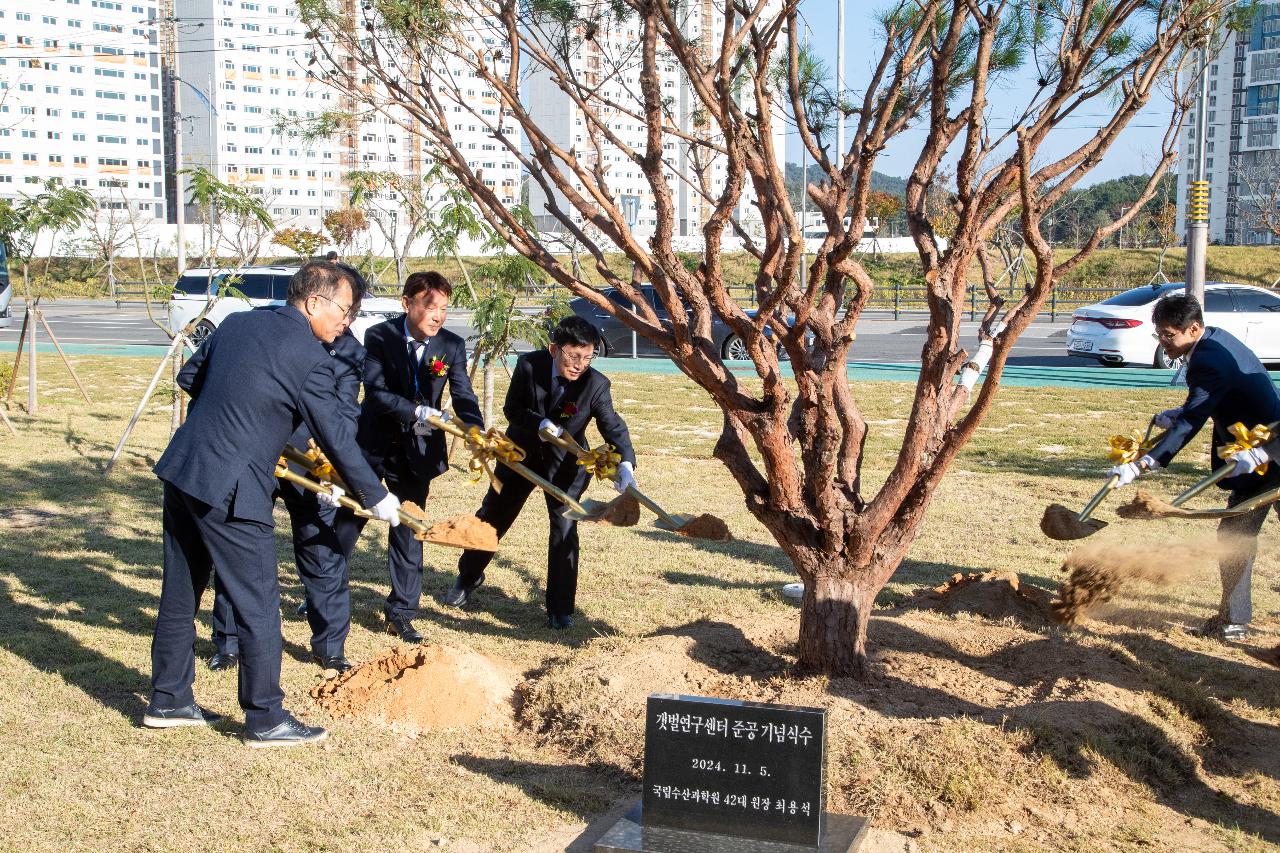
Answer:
(833, 621)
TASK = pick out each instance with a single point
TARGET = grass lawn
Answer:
(970, 734)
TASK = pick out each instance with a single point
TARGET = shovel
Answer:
(575, 510)
(463, 531)
(1062, 524)
(705, 526)
(1147, 506)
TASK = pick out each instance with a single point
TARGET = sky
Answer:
(1133, 153)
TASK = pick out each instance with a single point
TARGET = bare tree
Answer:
(1261, 205)
(794, 448)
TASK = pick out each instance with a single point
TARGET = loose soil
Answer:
(421, 688)
(25, 517)
(1062, 524)
(705, 526)
(622, 511)
(462, 531)
(1097, 571)
(992, 595)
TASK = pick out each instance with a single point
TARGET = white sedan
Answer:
(1118, 331)
(260, 287)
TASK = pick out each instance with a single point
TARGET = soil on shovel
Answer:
(993, 595)
(421, 688)
(705, 526)
(622, 511)
(1063, 524)
(462, 531)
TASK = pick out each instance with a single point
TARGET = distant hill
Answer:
(879, 181)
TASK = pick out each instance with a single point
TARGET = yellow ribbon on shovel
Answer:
(485, 447)
(1246, 439)
(602, 462)
(1128, 448)
(321, 467)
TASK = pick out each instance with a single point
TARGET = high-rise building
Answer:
(80, 101)
(610, 61)
(1242, 147)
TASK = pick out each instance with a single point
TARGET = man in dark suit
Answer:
(261, 377)
(318, 553)
(1225, 382)
(554, 389)
(409, 361)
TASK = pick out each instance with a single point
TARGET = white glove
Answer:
(1165, 419)
(626, 477)
(552, 428)
(1130, 471)
(1247, 461)
(330, 498)
(424, 412)
(387, 509)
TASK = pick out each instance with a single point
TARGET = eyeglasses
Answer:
(577, 361)
(351, 311)
(1166, 337)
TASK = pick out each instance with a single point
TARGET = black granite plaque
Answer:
(735, 768)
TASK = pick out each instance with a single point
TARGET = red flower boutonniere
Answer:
(438, 367)
(569, 410)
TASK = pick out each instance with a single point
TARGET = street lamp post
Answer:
(1198, 192)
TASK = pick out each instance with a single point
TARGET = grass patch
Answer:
(967, 731)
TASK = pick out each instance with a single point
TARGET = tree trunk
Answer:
(833, 623)
(488, 394)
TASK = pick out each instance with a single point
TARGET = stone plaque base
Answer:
(841, 834)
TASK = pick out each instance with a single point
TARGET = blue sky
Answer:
(1133, 152)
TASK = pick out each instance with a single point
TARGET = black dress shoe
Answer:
(289, 733)
(403, 628)
(302, 609)
(558, 622)
(223, 661)
(459, 595)
(169, 718)
(336, 662)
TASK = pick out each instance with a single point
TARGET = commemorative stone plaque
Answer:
(723, 775)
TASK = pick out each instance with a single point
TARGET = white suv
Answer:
(261, 286)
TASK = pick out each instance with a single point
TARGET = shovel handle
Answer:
(1097, 499)
(310, 485)
(295, 455)
(1221, 474)
(568, 443)
(523, 470)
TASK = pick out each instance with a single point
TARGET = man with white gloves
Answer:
(1225, 383)
(555, 390)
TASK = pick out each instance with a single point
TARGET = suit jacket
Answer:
(588, 397)
(1225, 382)
(394, 387)
(259, 377)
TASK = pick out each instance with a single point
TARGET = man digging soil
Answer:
(1225, 382)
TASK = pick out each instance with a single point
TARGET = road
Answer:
(84, 324)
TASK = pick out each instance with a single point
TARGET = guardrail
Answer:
(129, 292)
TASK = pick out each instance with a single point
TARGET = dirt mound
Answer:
(993, 595)
(420, 688)
(592, 705)
(1099, 570)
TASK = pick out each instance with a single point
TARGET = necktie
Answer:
(416, 349)
(557, 392)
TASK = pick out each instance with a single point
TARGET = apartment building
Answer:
(1242, 148)
(610, 60)
(249, 84)
(80, 101)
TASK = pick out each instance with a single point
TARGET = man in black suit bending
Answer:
(555, 389)
(261, 376)
(409, 361)
(1225, 383)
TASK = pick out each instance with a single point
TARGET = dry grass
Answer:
(1128, 734)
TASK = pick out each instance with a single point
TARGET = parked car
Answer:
(1118, 330)
(261, 287)
(617, 337)
(6, 288)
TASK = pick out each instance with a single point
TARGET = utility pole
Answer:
(840, 81)
(169, 58)
(1198, 191)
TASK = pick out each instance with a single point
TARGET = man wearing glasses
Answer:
(409, 362)
(257, 378)
(1225, 382)
(555, 389)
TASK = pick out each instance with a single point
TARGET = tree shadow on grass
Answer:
(1068, 730)
(69, 572)
(583, 791)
